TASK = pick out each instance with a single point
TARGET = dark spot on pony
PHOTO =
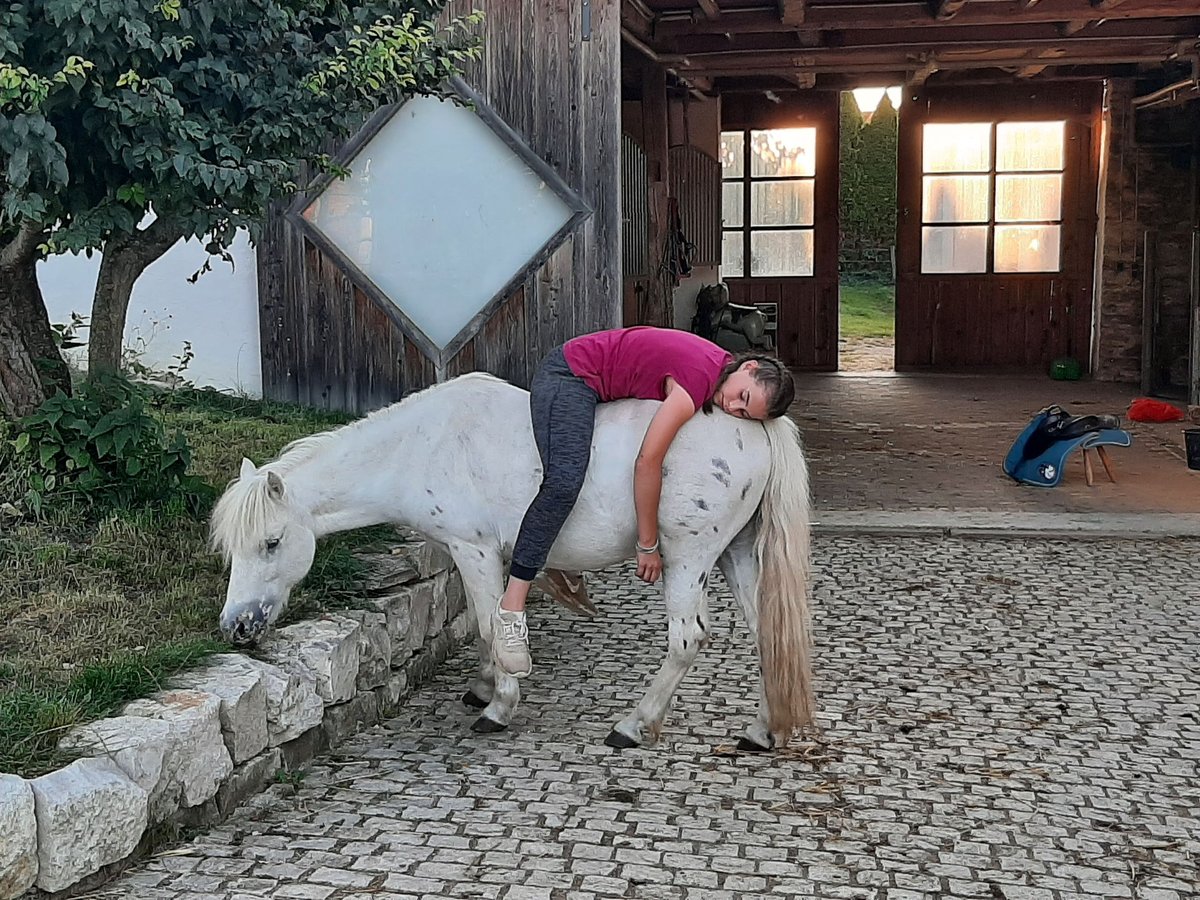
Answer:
(700, 502)
(700, 624)
(703, 578)
(478, 533)
(715, 529)
(738, 435)
(719, 463)
(439, 509)
(724, 479)
(746, 489)
(481, 554)
(429, 491)
(666, 471)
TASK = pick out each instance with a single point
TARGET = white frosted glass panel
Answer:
(439, 213)
(949, 250)
(733, 264)
(958, 147)
(1025, 146)
(1028, 198)
(776, 253)
(1027, 248)
(955, 198)
(733, 149)
(783, 151)
(731, 204)
(781, 202)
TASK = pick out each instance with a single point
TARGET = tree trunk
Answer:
(125, 258)
(31, 366)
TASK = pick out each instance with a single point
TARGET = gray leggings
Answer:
(564, 416)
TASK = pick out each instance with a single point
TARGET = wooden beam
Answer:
(1035, 35)
(1107, 4)
(1066, 29)
(1028, 4)
(710, 9)
(947, 9)
(921, 75)
(791, 12)
(887, 16)
(804, 80)
(638, 18)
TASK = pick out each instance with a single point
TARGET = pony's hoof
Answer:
(484, 725)
(745, 745)
(620, 741)
(473, 700)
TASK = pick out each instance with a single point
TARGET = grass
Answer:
(868, 310)
(99, 607)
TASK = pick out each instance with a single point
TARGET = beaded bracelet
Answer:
(651, 549)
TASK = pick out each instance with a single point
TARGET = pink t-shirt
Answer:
(635, 362)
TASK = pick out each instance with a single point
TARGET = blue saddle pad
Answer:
(1045, 469)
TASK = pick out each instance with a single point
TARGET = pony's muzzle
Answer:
(245, 628)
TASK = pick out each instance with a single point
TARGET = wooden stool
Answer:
(1087, 466)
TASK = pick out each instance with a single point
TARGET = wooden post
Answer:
(658, 306)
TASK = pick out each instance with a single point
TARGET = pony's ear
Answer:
(274, 486)
(248, 469)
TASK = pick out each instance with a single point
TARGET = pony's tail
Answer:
(784, 635)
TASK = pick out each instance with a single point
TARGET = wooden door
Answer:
(996, 229)
(780, 218)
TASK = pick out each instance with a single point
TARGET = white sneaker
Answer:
(510, 642)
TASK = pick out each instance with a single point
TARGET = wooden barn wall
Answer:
(326, 344)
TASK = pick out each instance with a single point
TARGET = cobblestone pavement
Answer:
(1000, 719)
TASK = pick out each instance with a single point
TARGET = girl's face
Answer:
(741, 395)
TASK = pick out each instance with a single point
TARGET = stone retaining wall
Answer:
(190, 754)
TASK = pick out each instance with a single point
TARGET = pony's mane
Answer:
(240, 516)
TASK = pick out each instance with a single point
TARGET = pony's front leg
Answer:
(687, 629)
(495, 692)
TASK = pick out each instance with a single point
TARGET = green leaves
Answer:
(102, 445)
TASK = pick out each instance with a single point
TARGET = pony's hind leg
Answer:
(687, 629)
(740, 569)
(494, 691)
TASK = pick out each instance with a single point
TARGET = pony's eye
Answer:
(272, 543)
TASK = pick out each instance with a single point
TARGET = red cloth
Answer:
(1144, 409)
(635, 362)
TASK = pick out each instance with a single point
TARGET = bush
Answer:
(101, 445)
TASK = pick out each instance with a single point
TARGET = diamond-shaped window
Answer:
(444, 212)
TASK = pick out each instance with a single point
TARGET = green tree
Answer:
(197, 111)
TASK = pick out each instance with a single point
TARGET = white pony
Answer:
(458, 462)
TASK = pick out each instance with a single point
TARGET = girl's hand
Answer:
(649, 567)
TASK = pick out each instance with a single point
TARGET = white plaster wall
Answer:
(218, 314)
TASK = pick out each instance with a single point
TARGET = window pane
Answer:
(955, 198)
(731, 204)
(1022, 146)
(1027, 248)
(962, 249)
(961, 147)
(781, 253)
(783, 151)
(781, 202)
(1028, 198)
(732, 263)
(439, 212)
(733, 153)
